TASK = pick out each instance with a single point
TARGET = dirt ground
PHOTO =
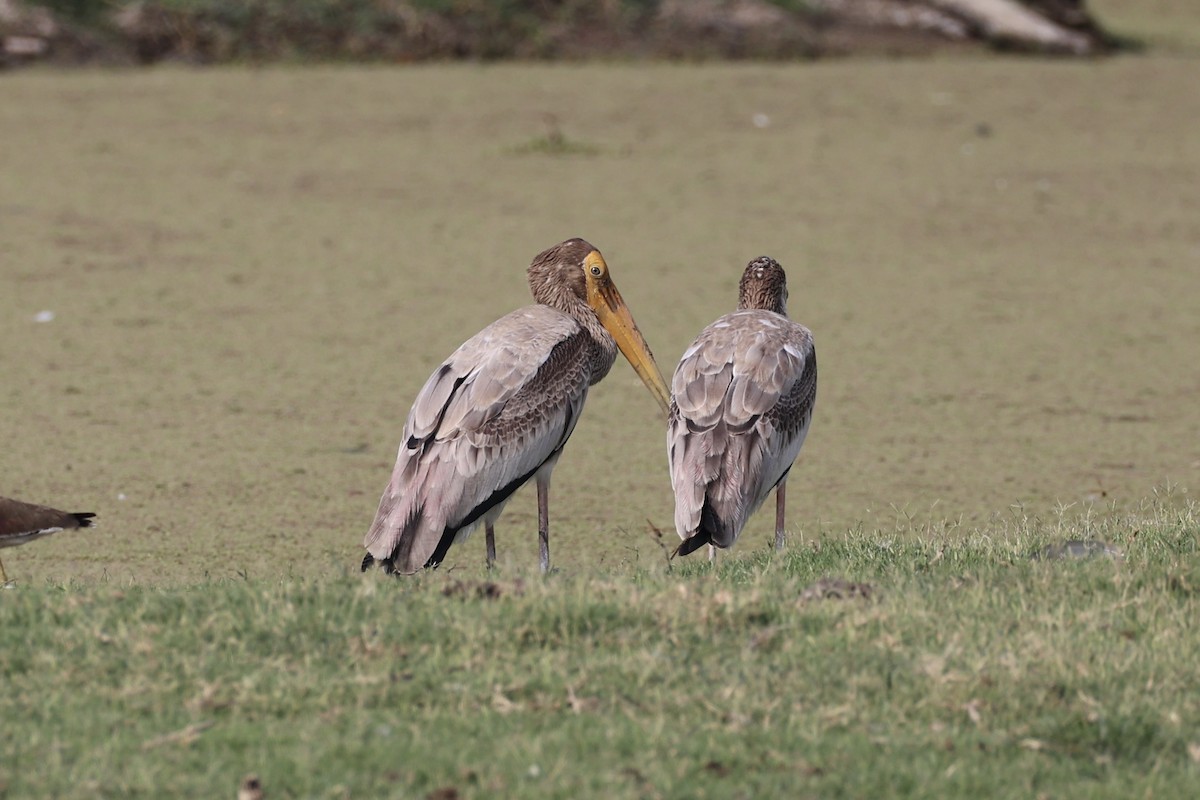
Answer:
(220, 289)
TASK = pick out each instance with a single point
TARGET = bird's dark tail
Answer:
(379, 530)
(709, 526)
(84, 518)
(389, 565)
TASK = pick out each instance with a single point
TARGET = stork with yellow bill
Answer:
(499, 410)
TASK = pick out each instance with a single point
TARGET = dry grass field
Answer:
(251, 273)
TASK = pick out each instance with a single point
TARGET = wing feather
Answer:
(489, 417)
(742, 402)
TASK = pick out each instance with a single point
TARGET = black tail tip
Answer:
(693, 543)
(84, 518)
(389, 566)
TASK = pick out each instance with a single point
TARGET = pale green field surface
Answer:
(253, 272)
(972, 671)
(1164, 26)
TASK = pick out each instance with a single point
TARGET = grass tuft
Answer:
(555, 143)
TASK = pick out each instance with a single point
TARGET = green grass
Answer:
(972, 671)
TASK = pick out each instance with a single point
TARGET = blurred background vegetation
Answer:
(214, 31)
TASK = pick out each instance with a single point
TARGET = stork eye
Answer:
(596, 271)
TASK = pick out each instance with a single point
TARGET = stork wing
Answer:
(742, 400)
(493, 413)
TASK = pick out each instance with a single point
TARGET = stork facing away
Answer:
(499, 410)
(741, 404)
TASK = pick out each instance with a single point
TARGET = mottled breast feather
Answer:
(492, 414)
(742, 401)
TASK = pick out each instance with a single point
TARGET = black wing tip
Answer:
(693, 543)
(710, 526)
(84, 518)
(388, 565)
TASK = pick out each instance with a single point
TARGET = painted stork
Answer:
(741, 405)
(499, 410)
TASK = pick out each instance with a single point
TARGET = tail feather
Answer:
(692, 544)
(386, 533)
(710, 527)
(84, 518)
(389, 567)
(378, 529)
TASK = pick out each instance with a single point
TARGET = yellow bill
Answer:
(614, 315)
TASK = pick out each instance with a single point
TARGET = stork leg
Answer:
(712, 555)
(780, 502)
(5, 583)
(490, 537)
(543, 490)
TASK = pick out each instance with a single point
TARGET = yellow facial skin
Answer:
(605, 300)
